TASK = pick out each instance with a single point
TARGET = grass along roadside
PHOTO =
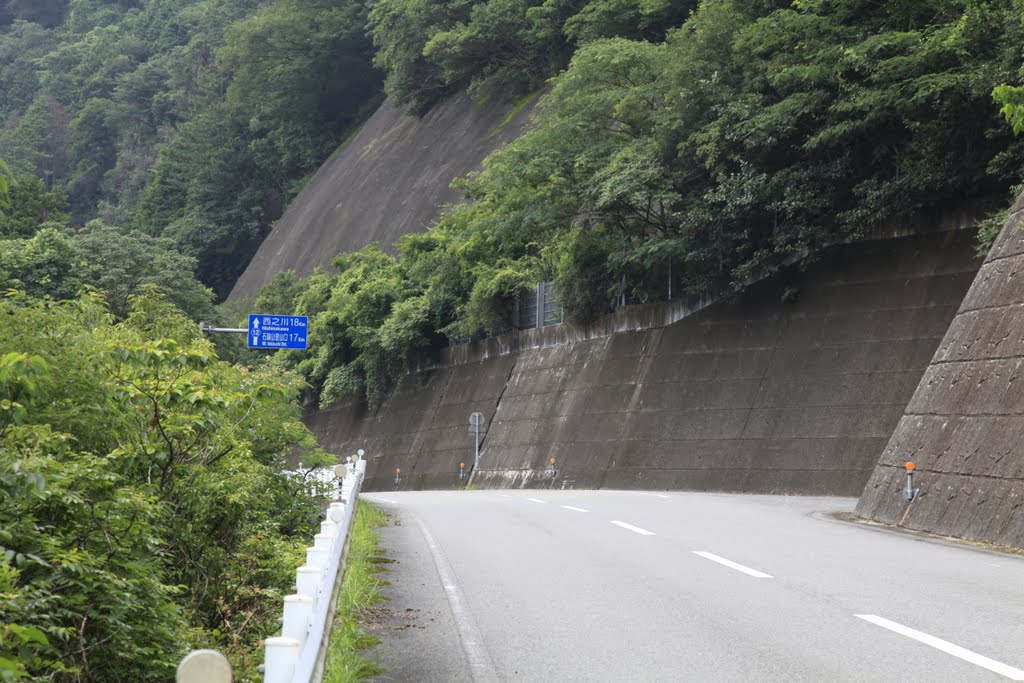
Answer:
(360, 589)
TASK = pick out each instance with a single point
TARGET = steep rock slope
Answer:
(393, 177)
(964, 426)
(744, 395)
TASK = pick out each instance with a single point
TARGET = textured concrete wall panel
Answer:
(391, 178)
(964, 426)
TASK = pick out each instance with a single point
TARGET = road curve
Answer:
(633, 586)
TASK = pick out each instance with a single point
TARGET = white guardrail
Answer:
(298, 654)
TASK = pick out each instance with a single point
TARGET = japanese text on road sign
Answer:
(277, 331)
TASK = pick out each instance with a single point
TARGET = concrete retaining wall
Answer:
(422, 429)
(964, 427)
(744, 395)
(393, 177)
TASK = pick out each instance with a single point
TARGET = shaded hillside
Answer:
(963, 426)
(393, 177)
(747, 395)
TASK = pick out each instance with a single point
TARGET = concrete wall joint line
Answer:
(497, 406)
(974, 361)
(830, 470)
(760, 386)
(996, 307)
(963, 415)
(956, 475)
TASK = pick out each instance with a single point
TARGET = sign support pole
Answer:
(476, 460)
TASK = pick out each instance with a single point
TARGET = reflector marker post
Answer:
(909, 492)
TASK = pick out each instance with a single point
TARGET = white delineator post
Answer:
(204, 666)
(318, 557)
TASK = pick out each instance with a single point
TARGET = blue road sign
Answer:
(277, 331)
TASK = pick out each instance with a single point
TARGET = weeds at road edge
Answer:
(360, 589)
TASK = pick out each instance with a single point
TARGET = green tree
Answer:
(5, 185)
(48, 13)
(122, 263)
(45, 266)
(300, 102)
(94, 148)
(30, 206)
(39, 143)
(20, 46)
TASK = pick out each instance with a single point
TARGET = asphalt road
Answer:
(631, 586)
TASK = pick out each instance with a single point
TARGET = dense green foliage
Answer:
(694, 158)
(41, 256)
(432, 48)
(144, 509)
(195, 120)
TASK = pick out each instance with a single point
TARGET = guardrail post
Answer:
(325, 541)
(308, 581)
(281, 654)
(336, 512)
(297, 611)
(329, 526)
(318, 557)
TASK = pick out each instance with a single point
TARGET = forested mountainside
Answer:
(190, 120)
(678, 146)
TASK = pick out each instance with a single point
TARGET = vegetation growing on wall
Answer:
(704, 154)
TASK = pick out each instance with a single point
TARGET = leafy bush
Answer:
(145, 508)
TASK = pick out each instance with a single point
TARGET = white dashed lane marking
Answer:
(734, 565)
(634, 529)
(1010, 672)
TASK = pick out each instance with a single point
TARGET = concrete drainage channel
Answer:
(298, 654)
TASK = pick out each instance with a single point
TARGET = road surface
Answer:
(632, 586)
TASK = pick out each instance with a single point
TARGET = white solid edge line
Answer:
(480, 662)
(634, 529)
(574, 509)
(734, 565)
(535, 500)
(659, 495)
(382, 500)
(1010, 672)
